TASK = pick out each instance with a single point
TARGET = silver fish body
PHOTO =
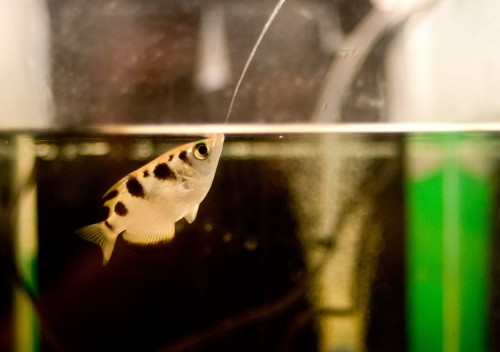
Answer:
(145, 205)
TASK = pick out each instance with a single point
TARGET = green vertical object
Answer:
(449, 210)
(26, 247)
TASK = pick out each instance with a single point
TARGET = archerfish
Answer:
(145, 205)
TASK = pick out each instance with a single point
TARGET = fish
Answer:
(145, 205)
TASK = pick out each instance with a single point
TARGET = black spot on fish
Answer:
(110, 195)
(163, 172)
(170, 157)
(134, 187)
(183, 156)
(145, 173)
(121, 209)
(108, 225)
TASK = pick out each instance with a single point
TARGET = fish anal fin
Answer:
(150, 238)
(100, 235)
(191, 214)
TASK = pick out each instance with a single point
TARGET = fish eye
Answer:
(201, 151)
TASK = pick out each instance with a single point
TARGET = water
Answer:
(300, 245)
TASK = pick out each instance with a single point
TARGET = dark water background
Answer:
(236, 279)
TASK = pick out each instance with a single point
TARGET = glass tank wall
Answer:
(353, 207)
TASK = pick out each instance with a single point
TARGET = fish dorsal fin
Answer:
(147, 238)
(191, 214)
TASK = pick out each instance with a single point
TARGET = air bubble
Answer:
(251, 244)
(47, 151)
(94, 149)
(227, 237)
(141, 150)
(70, 151)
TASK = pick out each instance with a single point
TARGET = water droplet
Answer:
(347, 52)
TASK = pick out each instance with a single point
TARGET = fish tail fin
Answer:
(100, 235)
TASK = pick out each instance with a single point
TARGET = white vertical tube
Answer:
(214, 68)
(444, 66)
(25, 95)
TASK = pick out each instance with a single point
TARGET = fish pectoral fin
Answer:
(191, 214)
(150, 238)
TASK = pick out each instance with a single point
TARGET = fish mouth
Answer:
(219, 138)
(216, 140)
